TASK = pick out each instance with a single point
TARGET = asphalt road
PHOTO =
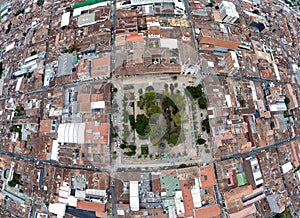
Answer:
(113, 37)
(111, 201)
(188, 13)
(49, 162)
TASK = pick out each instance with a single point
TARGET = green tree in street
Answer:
(142, 125)
(287, 101)
(201, 141)
(40, 2)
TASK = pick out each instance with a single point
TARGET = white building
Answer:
(71, 133)
(228, 12)
(58, 208)
(256, 172)
(98, 104)
(179, 203)
(86, 19)
(134, 196)
(279, 105)
(65, 19)
(196, 194)
(19, 83)
(172, 212)
(145, 2)
(10, 47)
(286, 167)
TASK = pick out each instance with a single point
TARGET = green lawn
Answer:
(284, 214)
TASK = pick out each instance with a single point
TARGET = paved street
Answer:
(49, 162)
(219, 199)
(112, 209)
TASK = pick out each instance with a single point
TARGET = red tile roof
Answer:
(92, 206)
(156, 184)
(208, 212)
(83, 98)
(101, 62)
(91, 130)
(187, 199)
(45, 125)
(243, 213)
(207, 176)
(97, 97)
(135, 38)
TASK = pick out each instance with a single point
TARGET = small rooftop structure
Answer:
(208, 212)
(196, 194)
(134, 195)
(179, 203)
(65, 65)
(86, 19)
(54, 151)
(171, 184)
(278, 106)
(98, 105)
(10, 47)
(256, 172)
(101, 67)
(187, 199)
(48, 126)
(228, 12)
(65, 19)
(1, 86)
(242, 180)
(169, 43)
(272, 200)
(207, 177)
(286, 167)
(58, 209)
(71, 133)
(99, 209)
(79, 182)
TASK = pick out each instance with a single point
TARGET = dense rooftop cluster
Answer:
(149, 108)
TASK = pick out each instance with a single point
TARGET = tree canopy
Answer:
(202, 102)
(142, 125)
(287, 101)
(201, 141)
(195, 91)
(166, 102)
(152, 109)
(147, 99)
(40, 2)
(177, 118)
(132, 121)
